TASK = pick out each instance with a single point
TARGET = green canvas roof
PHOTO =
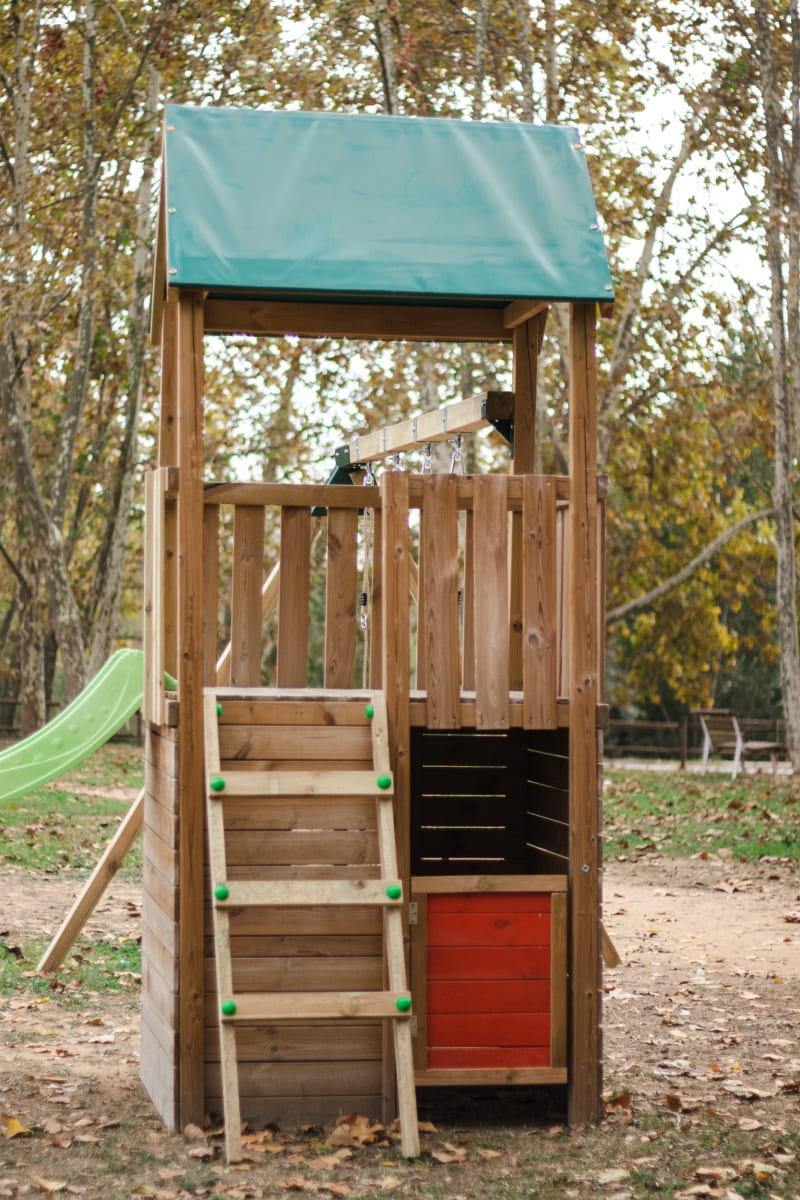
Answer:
(296, 204)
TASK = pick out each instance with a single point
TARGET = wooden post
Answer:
(395, 673)
(168, 457)
(190, 712)
(526, 344)
(585, 1064)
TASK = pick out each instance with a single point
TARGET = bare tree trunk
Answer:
(113, 558)
(383, 33)
(526, 61)
(481, 47)
(782, 490)
(552, 89)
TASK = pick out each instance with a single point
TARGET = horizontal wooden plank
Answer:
(330, 713)
(306, 892)
(357, 812)
(307, 1006)
(317, 921)
(548, 834)
(162, 996)
(159, 1076)
(163, 856)
(315, 872)
(161, 752)
(323, 1078)
(417, 711)
(159, 924)
(163, 891)
(160, 957)
(490, 1077)
(547, 802)
(333, 945)
(291, 764)
(291, 1042)
(436, 425)
(300, 783)
(497, 996)
(479, 904)
(162, 821)
(301, 846)
(461, 750)
(498, 963)
(295, 742)
(163, 1033)
(281, 975)
(522, 310)
(380, 322)
(288, 1112)
(451, 1058)
(475, 929)
(478, 1029)
(488, 883)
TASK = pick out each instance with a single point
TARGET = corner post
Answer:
(190, 696)
(585, 1061)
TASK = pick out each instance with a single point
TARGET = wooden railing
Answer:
(486, 613)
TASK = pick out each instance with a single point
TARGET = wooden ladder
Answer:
(386, 893)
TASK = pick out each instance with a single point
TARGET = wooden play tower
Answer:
(392, 879)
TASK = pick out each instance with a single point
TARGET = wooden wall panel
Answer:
(439, 567)
(341, 582)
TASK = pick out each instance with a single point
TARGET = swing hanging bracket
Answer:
(503, 425)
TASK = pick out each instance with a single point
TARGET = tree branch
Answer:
(648, 598)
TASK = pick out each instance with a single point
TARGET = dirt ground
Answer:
(702, 1070)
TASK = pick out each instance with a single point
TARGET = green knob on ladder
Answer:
(384, 782)
(403, 1003)
(219, 710)
(221, 891)
(394, 891)
(229, 1008)
(217, 783)
(369, 711)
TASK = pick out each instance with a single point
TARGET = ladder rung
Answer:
(280, 785)
(308, 1006)
(299, 893)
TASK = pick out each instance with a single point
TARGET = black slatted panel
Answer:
(490, 804)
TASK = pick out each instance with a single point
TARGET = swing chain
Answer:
(456, 455)
(395, 461)
(369, 476)
(427, 460)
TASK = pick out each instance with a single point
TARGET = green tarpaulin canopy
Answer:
(295, 204)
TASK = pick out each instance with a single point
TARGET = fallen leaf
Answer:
(49, 1186)
(450, 1154)
(193, 1133)
(51, 1125)
(749, 1124)
(793, 918)
(490, 1154)
(14, 1128)
(298, 1184)
(202, 1152)
(334, 1189)
(747, 1091)
(389, 1183)
(613, 1175)
(719, 1174)
(427, 1127)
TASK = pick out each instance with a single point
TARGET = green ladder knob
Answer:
(394, 891)
(217, 783)
(219, 710)
(369, 711)
(221, 891)
(403, 1003)
(384, 782)
(229, 1007)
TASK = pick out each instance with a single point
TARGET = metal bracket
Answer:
(413, 912)
(503, 425)
(341, 473)
(414, 1027)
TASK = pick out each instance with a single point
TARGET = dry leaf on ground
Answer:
(14, 1128)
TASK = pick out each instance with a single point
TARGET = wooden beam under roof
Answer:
(465, 416)
(379, 322)
(522, 310)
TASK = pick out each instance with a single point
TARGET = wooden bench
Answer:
(722, 734)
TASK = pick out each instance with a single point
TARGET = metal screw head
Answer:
(170, 128)
(594, 224)
(585, 868)
(173, 270)
(171, 210)
(609, 287)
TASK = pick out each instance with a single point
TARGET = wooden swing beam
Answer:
(438, 425)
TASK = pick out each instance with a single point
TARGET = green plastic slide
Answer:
(94, 716)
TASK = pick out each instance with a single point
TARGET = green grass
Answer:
(65, 829)
(98, 967)
(680, 815)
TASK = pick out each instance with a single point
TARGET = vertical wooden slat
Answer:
(149, 603)
(210, 592)
(585, 1066)
(439, 552)
(190, 692)
(421, 672)
(170, 591)
(341, 584)
(563, 603)
(558, 980)
(246, 603)
(419, 980)
(490, 516)
(376, 604)
(293, 598)
(468, 654)
(539, 639)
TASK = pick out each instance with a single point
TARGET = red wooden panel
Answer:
(502, 962)
(489, 902)
(453, 1057)
(488, 929)
(496, 996)
(475, 1029)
